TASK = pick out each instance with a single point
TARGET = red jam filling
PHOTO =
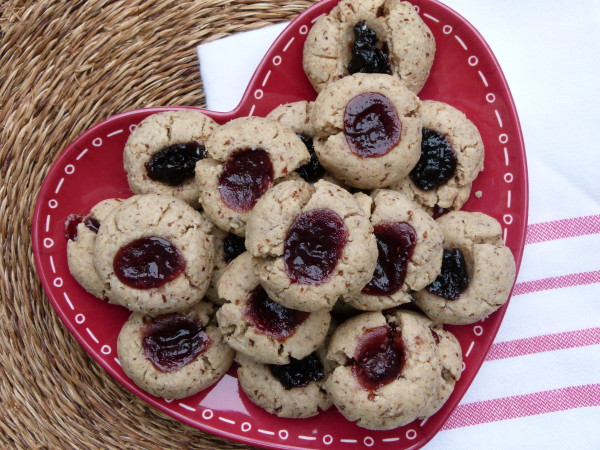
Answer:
(396, 243)
(148, 263)
(371, 125)
(299, 372)
(176, 163)
(437, 163)
(75, 219)
(313, 246)
(170, 341)
(271, 318)
(245, 178)
(379, 357)
(454, 279)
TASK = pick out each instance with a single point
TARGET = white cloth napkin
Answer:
(540, 384)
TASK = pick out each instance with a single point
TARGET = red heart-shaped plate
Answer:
(465, 74)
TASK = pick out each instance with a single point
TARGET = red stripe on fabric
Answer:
(575, 279)
(560, 229)
(524, 405)
(545, 343)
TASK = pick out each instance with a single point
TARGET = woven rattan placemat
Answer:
(64, 66)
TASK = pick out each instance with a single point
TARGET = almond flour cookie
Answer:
(368, 130)
(173, 355)
(410, 252)
(388, 369)
(369, 36)
(154, 254)
(247, 155)
(292, 390)
(451, 158)
(81, 234)
(478, 270)
(312, 243)
(260, 328)
(228, 246)
(289, 390)
(161, 153)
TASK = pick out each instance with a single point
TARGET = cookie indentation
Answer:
(245, 178)
(396, 243)
(75, 219)
(271, 318)
(148, 263)
(299, 372)
(171, 341)
(454, 279)
(367, 55)
(371, 125)
(176, 163)
(313, 246)
(379, 357)
(313, 170)
(233, 246)
(437, 163)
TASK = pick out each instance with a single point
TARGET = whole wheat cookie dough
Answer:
(387, 373)
(369, 36)
(410, 252)
(228, 246)
(258, 327)
(293, 390)
(81, 232)
(452, 156)
(161, 153)
(478, 270)
(312, 243)
(154, 254)
(174, 355)
(247, 155)
(368, 130)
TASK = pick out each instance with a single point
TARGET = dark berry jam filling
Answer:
(75, 219)
(271, 318)
(438, 211)
(367, 55)
(454, 279)
(313, 246)
(379, 357)
(176, 163)
(148, 263)
(371, 125)
(233, 246)
(171, 341)
(299, 372)
(245, 178)
(313, 170)
(437, 163)
(396, 243)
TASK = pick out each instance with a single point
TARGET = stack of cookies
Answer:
(322, 247)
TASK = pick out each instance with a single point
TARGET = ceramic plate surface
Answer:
(465, 74)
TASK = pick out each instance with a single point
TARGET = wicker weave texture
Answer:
(64, 66)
